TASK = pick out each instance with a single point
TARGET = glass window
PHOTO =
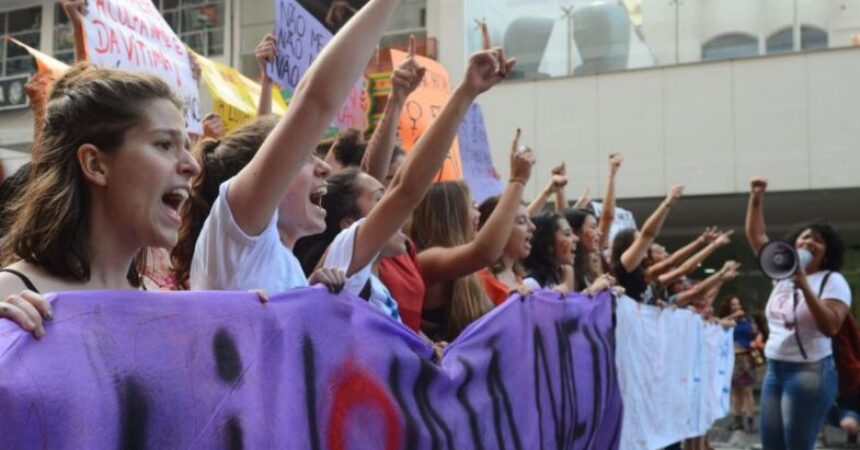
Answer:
(25, 26)
(64, 39)
(199, 23)
(730, 46)
(781, 41)
(560, 38)
(24, 20)
(812, 38)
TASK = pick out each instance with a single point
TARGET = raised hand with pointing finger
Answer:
(486, 68)
(522, 160)
(485, 33)
(407, 76)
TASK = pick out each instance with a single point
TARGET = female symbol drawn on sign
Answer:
(415, 112)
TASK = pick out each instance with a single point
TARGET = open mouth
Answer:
(317, 195)
(173, 200)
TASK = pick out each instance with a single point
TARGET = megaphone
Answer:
(780, 261)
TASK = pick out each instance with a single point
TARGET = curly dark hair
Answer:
(834, 257)
(576, 219)
(539, 264)
(349, 147)
(219, 160)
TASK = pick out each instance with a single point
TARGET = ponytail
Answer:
(220, 160)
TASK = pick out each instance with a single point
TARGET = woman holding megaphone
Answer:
(803, 313)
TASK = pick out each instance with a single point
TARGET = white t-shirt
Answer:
(532, 284)
(225, 258)
(784, 322)
(339, 256)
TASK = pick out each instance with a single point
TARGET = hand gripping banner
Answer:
(309, 370)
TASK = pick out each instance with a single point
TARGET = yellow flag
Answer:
(235, 96)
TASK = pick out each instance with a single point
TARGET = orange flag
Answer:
(421, 109)
(48, 70)
(44, 63)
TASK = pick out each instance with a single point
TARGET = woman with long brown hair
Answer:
(363, 218)
(451, 249)
(108, 179)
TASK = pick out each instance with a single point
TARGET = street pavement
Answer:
(721, 438)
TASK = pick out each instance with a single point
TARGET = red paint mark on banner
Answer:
(356, 388)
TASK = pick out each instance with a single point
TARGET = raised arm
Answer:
(442, 264)
(75, 11)
(755, 226)
(584, 199)
(728, 272)
(559, 181)
(404, 80)
(633, 256)
(682, 254)
(266, 52)
(607, 214)
(213, 126)
(690, 264)
(256, 192)
(556, 185)
(426, 158)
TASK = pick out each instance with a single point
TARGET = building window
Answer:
(781, 41)
(199, 23)
(730, 46)
(64, 37)
(811, 38)
(23, 25)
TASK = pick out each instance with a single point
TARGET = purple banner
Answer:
(307, 371)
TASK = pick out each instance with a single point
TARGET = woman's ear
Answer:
(93, 164)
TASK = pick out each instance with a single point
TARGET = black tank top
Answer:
(23, 279)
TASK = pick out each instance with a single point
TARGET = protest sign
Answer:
(235, 96)
(309, 370)
(301, 38)
(623, 219)
(478, 170)
(675, 372)
(423, 106)
(355, 109)
(132, 35)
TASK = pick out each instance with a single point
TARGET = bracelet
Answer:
(517, 180)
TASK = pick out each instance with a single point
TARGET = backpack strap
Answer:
(823, 283)
(797, 322)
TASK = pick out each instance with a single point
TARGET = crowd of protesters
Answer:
(116, 183)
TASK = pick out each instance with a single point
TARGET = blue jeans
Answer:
(795, 399)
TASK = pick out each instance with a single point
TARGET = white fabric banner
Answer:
(675, 373)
